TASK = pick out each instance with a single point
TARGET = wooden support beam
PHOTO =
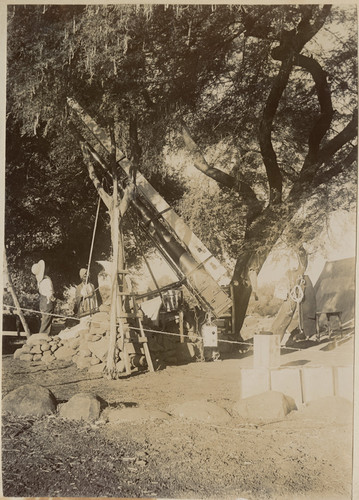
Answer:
(19, 312)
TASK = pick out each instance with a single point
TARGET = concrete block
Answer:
(318, 382)
(254, 381)
(288, 381)
(344, 382)
(266, 351)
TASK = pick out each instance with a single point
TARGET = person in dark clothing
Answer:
(85, 299)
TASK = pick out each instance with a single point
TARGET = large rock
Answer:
(122, 415)
(82, 406)
(30, 399)
(82, 362)
(99, 348)
(120, 366)
(93, 337)
(97, 368)
(36, 349)
(201, 410)
(74, 343)
(25, 357)
(18, 353)
(64, 353)
(48, 357)
(84, 350)
(267, 406)
(37, 338)
(100, 322)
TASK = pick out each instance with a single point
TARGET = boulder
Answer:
(122, 415)
(37, 357)
(37, 338)
(100, 322)
(45, 347)
(267, 406)
(85, 351)
(100, 317)
(18, 353)
(74, 343)
(30, 399)
(26, 348)
(99, 348)
(64, 353)
(48, 357)
(26, 357)
(83, 362)
(82, 406)
(97, 368)
(120, 366)
(93, 337)
(36, 349)
(200, 410)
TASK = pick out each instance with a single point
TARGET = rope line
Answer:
(160, 331)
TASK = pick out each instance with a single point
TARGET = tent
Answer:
(335, 288)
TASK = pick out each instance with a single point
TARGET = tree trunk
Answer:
(259, 240)
(14, 298)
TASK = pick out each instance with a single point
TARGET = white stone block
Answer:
(344, 382)
(318, 382)
(266, 351)
(254, 381)
(288, 381)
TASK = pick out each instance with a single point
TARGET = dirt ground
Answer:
(307, 455)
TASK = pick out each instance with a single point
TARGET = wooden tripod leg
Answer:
(145, 348)
(126, 359)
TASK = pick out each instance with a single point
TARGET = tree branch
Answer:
(349, 132)
(322, 124)
(92, 174)
(221, 177)
(290, 45)
(338, 168)
(128, 194)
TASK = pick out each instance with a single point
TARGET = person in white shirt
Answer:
(47, 298)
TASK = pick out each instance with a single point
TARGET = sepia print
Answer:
(179, 253)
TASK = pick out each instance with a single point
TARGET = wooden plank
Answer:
(197, 249)
(181, 326)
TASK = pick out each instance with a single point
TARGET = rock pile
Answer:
(85, 344)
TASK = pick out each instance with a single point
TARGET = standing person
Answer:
(85, 298)
(47, 298)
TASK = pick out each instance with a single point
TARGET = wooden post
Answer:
(14, 298)
(114, 215)
(180, 314)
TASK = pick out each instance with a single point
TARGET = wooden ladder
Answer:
(138, 336)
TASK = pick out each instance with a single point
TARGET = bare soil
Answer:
(306, 455)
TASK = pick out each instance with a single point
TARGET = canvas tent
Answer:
(335, 288)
